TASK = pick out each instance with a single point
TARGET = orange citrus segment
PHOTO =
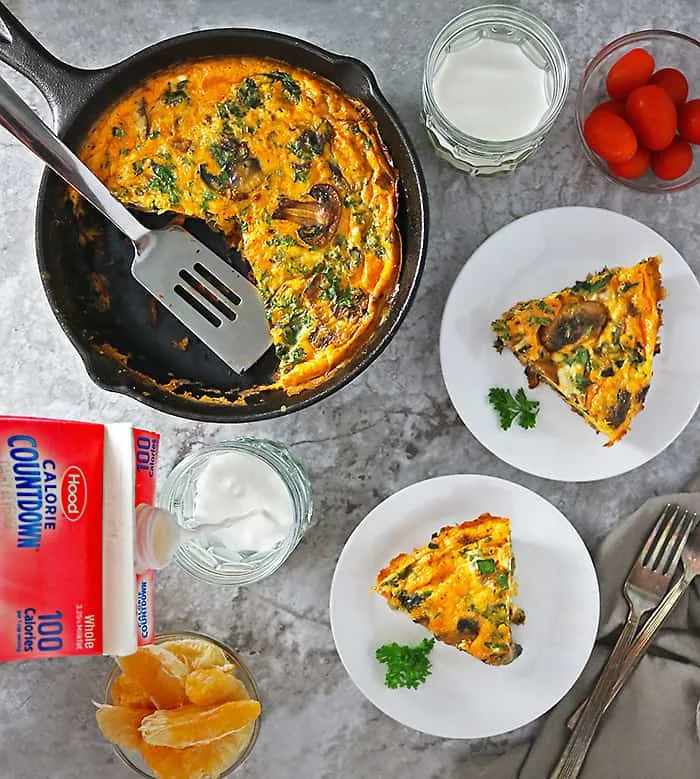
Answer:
(206, 761)
(159, 673)
(191, 725)
(120, 725)
(125, 692)
(209, 686)
(196, 653)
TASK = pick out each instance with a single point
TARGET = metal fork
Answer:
(690, 558)
(646, 584)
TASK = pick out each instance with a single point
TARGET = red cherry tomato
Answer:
(634, 168)
(630, 71)
(611, 106)
(652, 114)
(674, 161)
(674, 82)
(609, 136)
(689, 121)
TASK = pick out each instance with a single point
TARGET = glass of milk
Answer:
(494, 83)
(254, 497)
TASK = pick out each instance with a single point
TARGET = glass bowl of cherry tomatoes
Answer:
(638, 111)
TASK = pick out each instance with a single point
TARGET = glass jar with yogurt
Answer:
(494, 82)
(244, 506)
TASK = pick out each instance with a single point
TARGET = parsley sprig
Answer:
(406, 666)
(509, 407)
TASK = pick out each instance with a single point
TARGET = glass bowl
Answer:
(179, 498)
(507, 23)
(134, 761)
(670, 50)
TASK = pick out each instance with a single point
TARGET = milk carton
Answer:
(68, 496)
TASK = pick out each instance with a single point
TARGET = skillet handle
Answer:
(62, 85)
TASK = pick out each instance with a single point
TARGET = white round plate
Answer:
(533, 257)
(463, 697)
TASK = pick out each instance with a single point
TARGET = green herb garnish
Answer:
(301, 171)
(593, 286)
(164, 181)
(206, 199)
(486, 566)
(509, 407)
(175, 96)
(406, 666)
(248, 94)
(281, 240)
(289, 85)
(311, 143)
(412, 600)
(118, 132)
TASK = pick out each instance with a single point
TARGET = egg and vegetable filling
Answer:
(594, 343)
(460, 587)
(292, 171)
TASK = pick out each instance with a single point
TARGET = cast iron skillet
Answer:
(191, 383)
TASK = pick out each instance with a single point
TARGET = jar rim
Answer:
(526, 22)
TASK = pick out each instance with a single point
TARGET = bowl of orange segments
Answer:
(185, 707)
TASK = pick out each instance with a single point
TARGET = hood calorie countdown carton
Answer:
(68, 497)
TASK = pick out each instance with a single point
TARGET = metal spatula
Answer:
(219, 305)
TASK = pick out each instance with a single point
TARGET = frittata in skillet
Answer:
(292, 171)
(593, 343)
(460, 587)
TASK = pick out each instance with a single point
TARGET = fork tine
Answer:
(683, 531)
(653, 536)
(672, 530)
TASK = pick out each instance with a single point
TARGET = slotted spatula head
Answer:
(217, 303)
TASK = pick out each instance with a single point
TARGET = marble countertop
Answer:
(392, 426)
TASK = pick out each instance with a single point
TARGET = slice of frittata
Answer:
(460, 587)
(593, 343)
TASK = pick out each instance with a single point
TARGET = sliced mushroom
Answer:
(143, 121)
(240, 173)
(618, 413)
(246, 176)
(318, 218)
(313, 287)
(217, 183)
(469, 628)
(337, 174)
(574, 322)
(543, 367)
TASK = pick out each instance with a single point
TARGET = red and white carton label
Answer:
(68, 493)
(146, 457)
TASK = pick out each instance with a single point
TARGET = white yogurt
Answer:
(233, 484)
(491, 90)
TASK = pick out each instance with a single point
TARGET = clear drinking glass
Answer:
(179, 497)
(134, 760)
(537, 41)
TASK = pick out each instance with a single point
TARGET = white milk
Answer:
(491, 90)
(238, 483)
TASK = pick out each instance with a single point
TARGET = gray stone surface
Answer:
(391, 427)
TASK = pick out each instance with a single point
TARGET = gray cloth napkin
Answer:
(652, 730)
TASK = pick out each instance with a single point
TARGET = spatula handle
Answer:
(22, 122)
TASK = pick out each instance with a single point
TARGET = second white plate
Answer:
(532, 257)
(463, 697)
